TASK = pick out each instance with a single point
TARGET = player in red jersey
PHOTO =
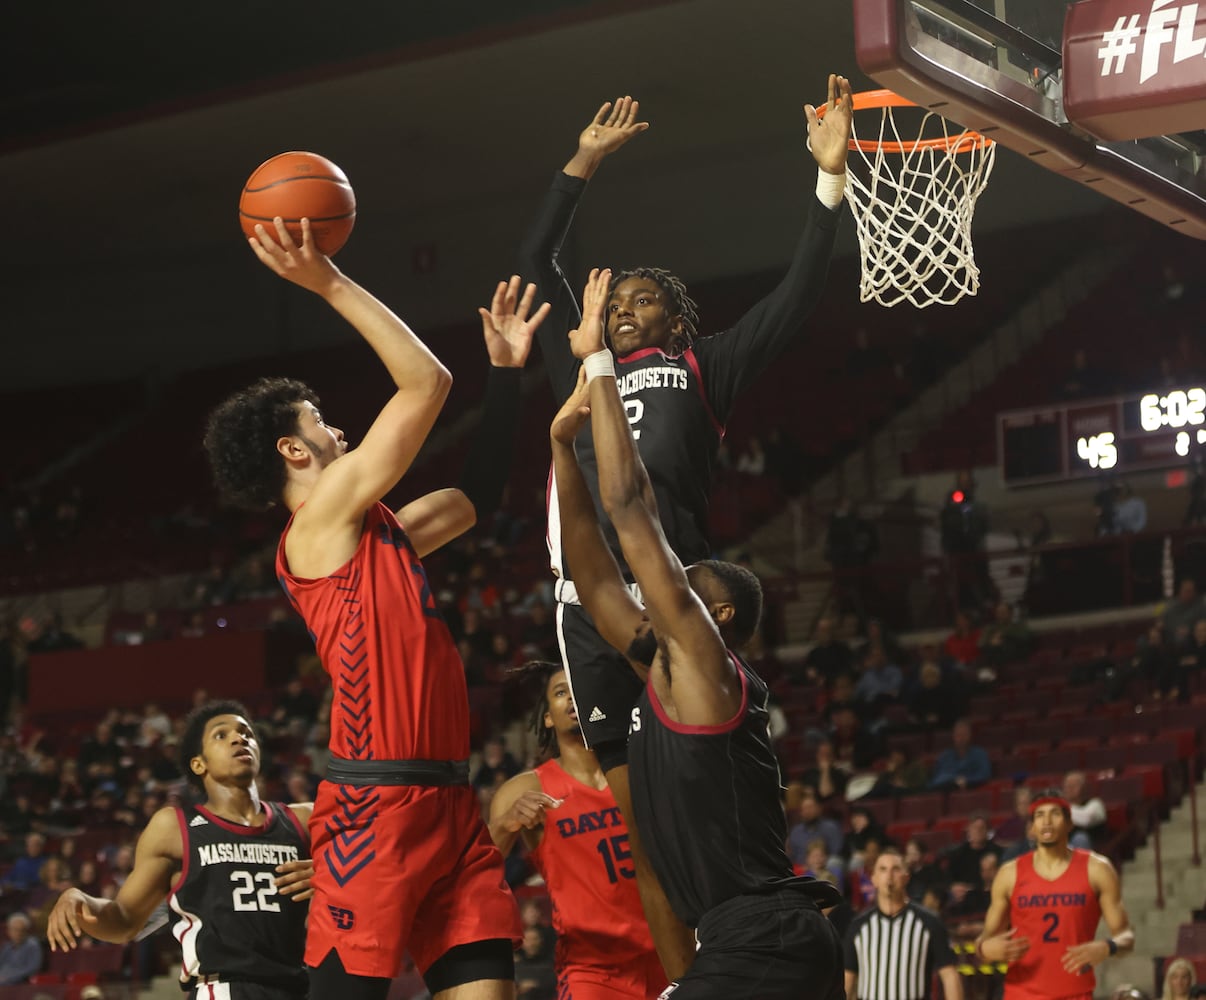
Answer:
(403, 861)
(1045, 908)
(578, 841)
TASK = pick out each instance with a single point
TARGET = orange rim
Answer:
(868, 99)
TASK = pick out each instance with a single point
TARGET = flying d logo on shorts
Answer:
(344, 919)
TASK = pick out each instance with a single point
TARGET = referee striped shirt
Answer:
(895, 957)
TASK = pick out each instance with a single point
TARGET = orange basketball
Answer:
(299, 186)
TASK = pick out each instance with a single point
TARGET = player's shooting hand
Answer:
(506, 325)
(69, 920)
(1081, 958)
(293, 879)
(829, 137)
(587, 339)
(304, 265)
(613, 125)
(527, 811)
(574, 412)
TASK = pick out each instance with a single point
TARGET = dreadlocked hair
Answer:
(538, 673)
(681, 304)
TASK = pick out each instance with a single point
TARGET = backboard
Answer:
(1005, 69)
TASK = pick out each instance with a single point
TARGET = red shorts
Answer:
(637, 981)
(402, 869)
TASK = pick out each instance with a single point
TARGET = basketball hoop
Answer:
(913, 211)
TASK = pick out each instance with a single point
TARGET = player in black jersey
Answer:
(678, 391)
(223, 867)
(705, 780)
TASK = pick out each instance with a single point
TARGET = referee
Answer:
(894, 948)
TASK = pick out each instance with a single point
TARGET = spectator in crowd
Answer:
(54, 637)
(924, 873)
(816, 863)
(826, 778)
(154, 726)
(100, 756)
(857, 746)
(864, 829)
(1004, 640)
(534, 975)
(1130, 510)
(1088, 812)
(1181, 615)
(961, 765)
(21, 954)
(829, 657)
(900, 776)
(497, 765)
(297, 706)
(963, 861)
(851, 542)
(1179, 980)
(963, 644)
(1013, 834)
(976, 900)
(1189, 661)
(813, 825)
(878, 685)
(934, 701)
(1084, 381)
(26, 871)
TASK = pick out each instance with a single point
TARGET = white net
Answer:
(913, 211)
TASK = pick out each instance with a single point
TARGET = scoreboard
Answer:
(1084, 439)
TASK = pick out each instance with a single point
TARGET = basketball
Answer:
(299, 186)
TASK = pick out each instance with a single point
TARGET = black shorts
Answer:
(605, 688)
(776, 946)
(243, 990)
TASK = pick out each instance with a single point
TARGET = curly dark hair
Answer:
(680, 303)
(538, 673)
(744, 591)
(194, 731)
(241, 436)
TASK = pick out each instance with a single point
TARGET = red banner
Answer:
(1135, 68)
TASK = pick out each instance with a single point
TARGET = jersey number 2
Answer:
(615, 850)
(247, 897)
(1052, 922)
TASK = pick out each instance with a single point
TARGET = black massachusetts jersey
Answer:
(706, 800)
(232, 922)
(677, 407)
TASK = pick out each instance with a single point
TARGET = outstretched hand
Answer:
(306, 265)
(588, 339)
(573, 414)
(829, 137)
(613, 125)
(506, 327)
(69, 921)
(527, 811)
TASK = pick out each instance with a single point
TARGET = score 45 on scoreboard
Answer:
(1152, 430)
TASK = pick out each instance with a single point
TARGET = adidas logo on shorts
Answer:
(597, 714)
(198, 821)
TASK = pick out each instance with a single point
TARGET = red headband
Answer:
(1051, 800)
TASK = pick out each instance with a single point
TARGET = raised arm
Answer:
(540, 249)
(707, 689)
(435, 519)
(157, 857)
(356, 480)
(730, 361)
(597, 577)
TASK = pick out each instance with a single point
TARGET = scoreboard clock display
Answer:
(1149, 430)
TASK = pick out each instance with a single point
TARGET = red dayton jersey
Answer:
(585, 860)
(1054, 916)
(399, 682)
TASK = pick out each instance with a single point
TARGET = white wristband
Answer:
(599, 363)
(830, 188)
